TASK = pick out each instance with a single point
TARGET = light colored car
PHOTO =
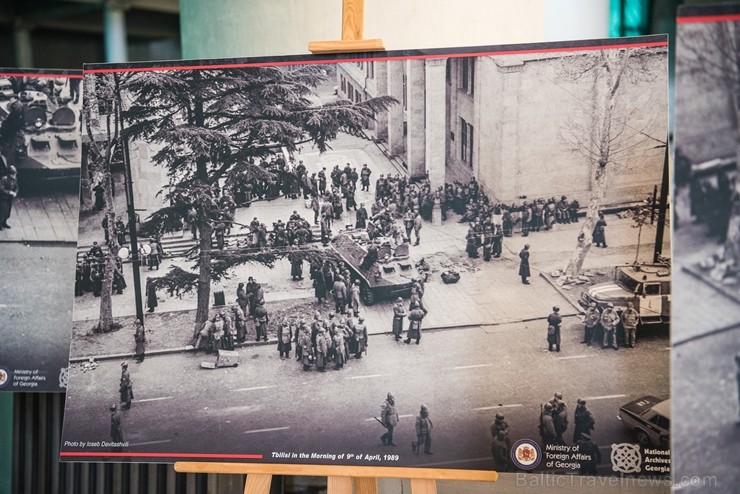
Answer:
(650, 419)
(647, 286)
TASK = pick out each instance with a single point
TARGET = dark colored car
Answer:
(649, 418)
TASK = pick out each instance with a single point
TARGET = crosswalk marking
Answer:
(605, 397)
(255, 388)
(266, 430)
(476, 366)
(154, 399)
(368, 376)
(480, 409)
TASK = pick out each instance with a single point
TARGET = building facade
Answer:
(514, 121)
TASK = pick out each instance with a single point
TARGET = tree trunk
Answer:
(105, 323)
(578, 256)
(605, 86)
(204, 276)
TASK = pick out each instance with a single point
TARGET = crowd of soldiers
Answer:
(227, 327)
(554, 424)
(608, 320)
(324, 341)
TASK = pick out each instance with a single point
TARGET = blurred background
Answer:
(68, 33)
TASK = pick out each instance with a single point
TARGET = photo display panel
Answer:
(706, 356)
(382, 259)
(40, 151)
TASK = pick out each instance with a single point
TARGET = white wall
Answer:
(575, 19)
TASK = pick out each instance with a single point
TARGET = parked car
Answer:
(649, 418)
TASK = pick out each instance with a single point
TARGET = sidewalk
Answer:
(52, 218)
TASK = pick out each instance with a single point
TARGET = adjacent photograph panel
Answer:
(40, 150)
(440, 258)
(706, 336)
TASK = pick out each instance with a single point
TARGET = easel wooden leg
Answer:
(423, 486)
(258, 483)
(366, 485)
(339, 485)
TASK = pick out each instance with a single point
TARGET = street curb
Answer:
(168, 351)
(60, 243)
(557, 289)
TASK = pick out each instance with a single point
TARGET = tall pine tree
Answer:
(214, 123)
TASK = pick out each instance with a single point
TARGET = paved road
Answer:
(465, 376)
(36, 309)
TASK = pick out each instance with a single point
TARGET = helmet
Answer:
(559, 396)
(113, 407)
(500, 416)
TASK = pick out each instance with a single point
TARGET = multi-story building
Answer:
(514, 120)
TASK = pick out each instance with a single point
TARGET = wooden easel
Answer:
(353, 27)
(341, 479)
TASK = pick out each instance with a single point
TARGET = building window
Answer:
(466, 142)
(371, 70)
(466, 79)
(350, 92)
(344, 85)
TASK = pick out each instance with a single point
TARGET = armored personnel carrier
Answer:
(391, 275)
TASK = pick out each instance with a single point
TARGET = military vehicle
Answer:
(647, 286)
(392, 275)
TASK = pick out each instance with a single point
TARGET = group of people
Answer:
(229, 326)
(415, 313)
(324, 341)
(608, 320)
(423, 426)
(331, 278)
(554, 424)
(90, 272)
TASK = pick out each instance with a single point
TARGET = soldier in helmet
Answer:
(416, 314)
(360, 336)
(560, 418)
(116, 429)
(399, 312)
(499, 425)
(553, 334)
(590, 321)
(125, 387)
(630, 319)
(423, 432)
(584, 421)
(609, 321)
(556, 400)
(591, 451)
(500, 448)
(547, 425)
(389, 419)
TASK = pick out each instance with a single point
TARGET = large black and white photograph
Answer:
(40, 150)
(706, 344)
(454, 259)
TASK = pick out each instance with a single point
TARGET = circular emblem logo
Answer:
(526, 454)
(4, 377)
(626, 458)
